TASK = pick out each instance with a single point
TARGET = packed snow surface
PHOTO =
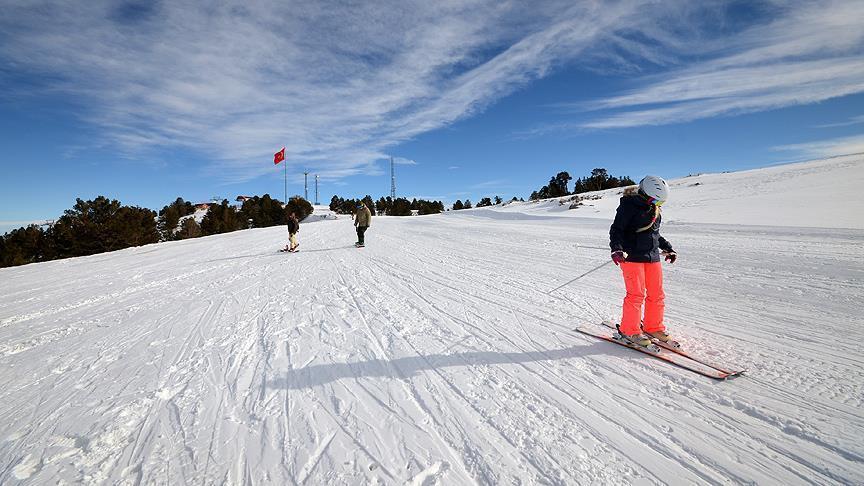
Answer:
(817, 194)
(435, 355)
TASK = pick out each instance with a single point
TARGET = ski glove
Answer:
(618, 257)
(671, 256)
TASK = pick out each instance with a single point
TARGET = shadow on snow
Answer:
(408, 367)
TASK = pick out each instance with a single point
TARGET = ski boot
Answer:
(663, 337)
(637, 340)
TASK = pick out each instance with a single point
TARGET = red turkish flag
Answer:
(279, 156)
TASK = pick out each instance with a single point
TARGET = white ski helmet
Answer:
(655, 189)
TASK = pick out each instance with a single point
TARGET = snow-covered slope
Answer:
(817, 194)
(198, 216)
(435, 355)
(322, 213)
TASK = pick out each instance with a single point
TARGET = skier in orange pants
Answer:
(635, 241)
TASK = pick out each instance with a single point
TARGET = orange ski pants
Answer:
(644, 283)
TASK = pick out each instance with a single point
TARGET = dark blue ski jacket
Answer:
(635, 213)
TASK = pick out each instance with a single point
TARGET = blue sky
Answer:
(148, 101)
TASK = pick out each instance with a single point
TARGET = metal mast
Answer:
(306, 186)
(316, 189)
(392, 179)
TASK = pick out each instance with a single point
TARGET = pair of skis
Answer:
(670, 353)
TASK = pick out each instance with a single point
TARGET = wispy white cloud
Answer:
(404, 161)
(855, 120)
(811, 51)
(341, 84)
(496, 183)
(337, 84)
(825, 148)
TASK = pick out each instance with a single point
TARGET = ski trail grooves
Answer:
(433, 355)
(407, 384)
(316, 456)
(565, 404)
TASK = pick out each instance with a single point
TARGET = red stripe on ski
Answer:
(696, 359)
(685, 354)
(713, 373)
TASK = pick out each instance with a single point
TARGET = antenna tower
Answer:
(392, 179)
(306, 186)
(316, 189)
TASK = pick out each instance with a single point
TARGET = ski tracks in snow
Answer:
(433, 355)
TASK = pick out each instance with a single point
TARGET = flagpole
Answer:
(278, 158)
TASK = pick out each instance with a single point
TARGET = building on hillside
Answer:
(203, 205)
(242, 199)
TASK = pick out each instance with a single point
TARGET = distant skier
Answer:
(635, 240)
(362, 220)
(293, 228)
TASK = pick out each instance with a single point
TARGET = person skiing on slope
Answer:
(635, 241)
(293, 228)
(362, 220)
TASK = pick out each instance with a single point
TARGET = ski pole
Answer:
(580, 276)
(579, 247)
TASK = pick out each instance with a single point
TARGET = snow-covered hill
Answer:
(816, 194)
(435, 355)
(322, 213)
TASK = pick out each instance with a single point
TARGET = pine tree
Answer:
(221, 218)
(88, 228)
(273, 210)
(401, 207)
(381, 206)
(558, 184)
(369, 204)
(22, 246)
(263, 212)
(170, 215)
(429, 207)
(299, 206)
(600, 180)
(579, 187)
(189, 228)
(132, 226)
